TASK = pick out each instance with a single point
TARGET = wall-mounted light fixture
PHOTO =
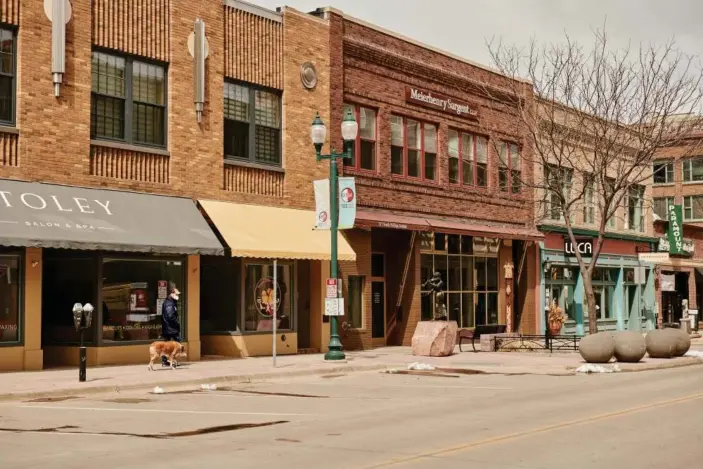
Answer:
(59, 13)
(199, 49)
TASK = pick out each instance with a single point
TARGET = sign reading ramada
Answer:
(439, 102)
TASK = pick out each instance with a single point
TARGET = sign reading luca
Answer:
(439, 102)
(675, 231)
(584, 246)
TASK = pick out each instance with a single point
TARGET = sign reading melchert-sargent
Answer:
(439, 102)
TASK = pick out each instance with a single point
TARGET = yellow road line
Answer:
(512, 436)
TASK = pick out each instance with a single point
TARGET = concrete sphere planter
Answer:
(682, 341)
(630, 347)
(660, 343)
(597, 348)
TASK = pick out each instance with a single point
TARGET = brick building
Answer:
(678, 180)
(114, 185)
(433, 195)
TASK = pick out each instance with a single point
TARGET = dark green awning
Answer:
(54, 216)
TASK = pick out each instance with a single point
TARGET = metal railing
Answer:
(538, 342)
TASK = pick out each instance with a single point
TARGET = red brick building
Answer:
(433, 193)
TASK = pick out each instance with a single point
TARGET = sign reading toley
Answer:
(439, 102)
(54, 216)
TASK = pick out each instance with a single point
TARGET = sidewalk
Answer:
(104, 379)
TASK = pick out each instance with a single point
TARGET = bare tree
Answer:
(593, 120)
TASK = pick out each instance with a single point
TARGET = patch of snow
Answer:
(208, 387)
(158, 390)
(591, 368)
(695, 353)
(417, 366)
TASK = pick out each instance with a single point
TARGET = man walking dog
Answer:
(170, 326)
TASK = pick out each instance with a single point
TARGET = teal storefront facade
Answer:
(624, 286)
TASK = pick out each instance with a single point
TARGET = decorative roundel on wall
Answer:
(308, 75)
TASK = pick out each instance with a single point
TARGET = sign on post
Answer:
(322, 204)
(347, 203)
(334, 307)
(332, 288)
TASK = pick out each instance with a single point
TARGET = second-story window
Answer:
(635, 208)
(660, 206)
(692, 170)
(252, 124)
(364, 152)
(663, 172)
(589, 206)
(7, 76)
(413, 148)
(468, 160)
(128, 100)
(693, 208)
(509, 174)
(558, 190)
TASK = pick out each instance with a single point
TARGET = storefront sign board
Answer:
(439, 102)
(334, 307)
(584, 246)
(347, 203)
(322, 204)
(675, 231)
(654, 257)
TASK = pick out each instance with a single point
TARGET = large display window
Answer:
(468, 278)
(260, 301)
(133, 293)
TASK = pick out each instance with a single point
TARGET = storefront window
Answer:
(68, 277)
(9, 299)
(259, 298)
(133, 292)
(562, 283)
(604, 286)
(469, 281)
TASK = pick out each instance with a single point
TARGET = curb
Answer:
(222, 379)
(647, 367)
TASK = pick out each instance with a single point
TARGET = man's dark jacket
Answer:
(170, 326)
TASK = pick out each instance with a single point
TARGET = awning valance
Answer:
(53, 216)
(374, 219)
(273, 232)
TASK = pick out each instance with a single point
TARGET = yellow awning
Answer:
(273, 232)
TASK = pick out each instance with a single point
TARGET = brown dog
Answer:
(171, 350)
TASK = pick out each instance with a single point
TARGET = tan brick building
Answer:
(99, 182)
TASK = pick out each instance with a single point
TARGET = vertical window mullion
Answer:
(405, 147)
(357, 146)
(252, 125)
(460, 170)
(422, 150)
(128, 105)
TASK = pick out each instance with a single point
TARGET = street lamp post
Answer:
(318, 133)
(82, 319)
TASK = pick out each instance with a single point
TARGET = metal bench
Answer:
(478, 331)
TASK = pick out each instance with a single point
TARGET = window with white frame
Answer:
(693, 208)
(660, 206)
(663, 172)
(635, 208)
(557, 180)
(693, 170)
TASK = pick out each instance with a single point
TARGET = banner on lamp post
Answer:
(322, 204)
(347, 203)
(675, 231)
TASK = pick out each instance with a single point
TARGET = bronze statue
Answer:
(434, 287)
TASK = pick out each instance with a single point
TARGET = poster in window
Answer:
(263, 297)
(162, 289)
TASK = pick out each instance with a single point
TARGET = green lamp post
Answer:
(318, 133)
